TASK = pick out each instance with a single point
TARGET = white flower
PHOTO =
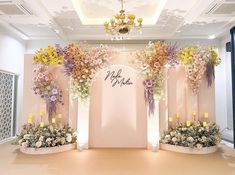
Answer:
(69, 138)
(48, 140)
(199, 146)
(184, 129)
(174, 139)
(172, 133)
(204, 139)
(190, 139)
(38, 144)
(26, 136)
(20, 141)
(167, 137)
(24, 144)
(41, 138)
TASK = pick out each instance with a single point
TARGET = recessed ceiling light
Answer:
(57, 31)
(212, 37)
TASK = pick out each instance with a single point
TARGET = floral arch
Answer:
(81, 63)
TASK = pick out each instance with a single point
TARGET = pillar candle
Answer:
(30, 121)
(194, 113)
(205, 124)
(30, 118)
(188, 123)
(59, 116)
(170, 119)
(206, 115)
(41, 113)
(178, 115)
(53, 120)
(41, 124)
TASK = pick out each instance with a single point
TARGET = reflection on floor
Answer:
(116, 162)
(227, 134)
(229, 144)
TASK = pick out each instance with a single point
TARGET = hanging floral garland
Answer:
(151, 62)
(43, 81)
(172, 58)
(81, 64)
(45, 86)
(199, 62)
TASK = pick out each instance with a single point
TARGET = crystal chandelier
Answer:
(122, 23)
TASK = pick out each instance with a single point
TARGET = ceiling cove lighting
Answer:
(212, 37)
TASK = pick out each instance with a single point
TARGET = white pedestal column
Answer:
(153, 128)
(83, 124)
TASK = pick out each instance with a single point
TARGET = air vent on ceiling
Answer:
(13, 8)
(222, 8)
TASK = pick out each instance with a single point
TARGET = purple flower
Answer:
(53, 98)
(173, 55)
(60, 51)
(54, 91)
(68, 66)
(149, 94)
(149, 83)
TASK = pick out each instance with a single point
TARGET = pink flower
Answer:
(40, 75)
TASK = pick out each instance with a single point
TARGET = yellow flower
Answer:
(186, 55)
(48, 56)
(214, 57)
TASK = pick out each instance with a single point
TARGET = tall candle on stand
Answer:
(60, 120)
(53, 120)
(170, 121)
(206, 115)
(41, 113)
(41, 124)
(205, 124)
(178, 117)
(30, 118)
(194, 115)
(59, 116)
(188, 123)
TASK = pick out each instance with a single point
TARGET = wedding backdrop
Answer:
(121, 99)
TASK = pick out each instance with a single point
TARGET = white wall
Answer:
(32, 46)
(224, 113)
(12, 60)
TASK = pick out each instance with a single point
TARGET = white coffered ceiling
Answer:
(83, 19)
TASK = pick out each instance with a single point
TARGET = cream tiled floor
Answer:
(116, 162)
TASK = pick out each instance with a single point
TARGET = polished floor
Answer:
(116, 162)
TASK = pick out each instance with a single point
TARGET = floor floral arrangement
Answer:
(196, 135)
(36, 136)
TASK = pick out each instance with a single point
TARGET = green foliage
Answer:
(195, 136)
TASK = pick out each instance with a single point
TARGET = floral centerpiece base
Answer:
(188, 150)
(198, 137)
(47, 150)
(38, 139)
